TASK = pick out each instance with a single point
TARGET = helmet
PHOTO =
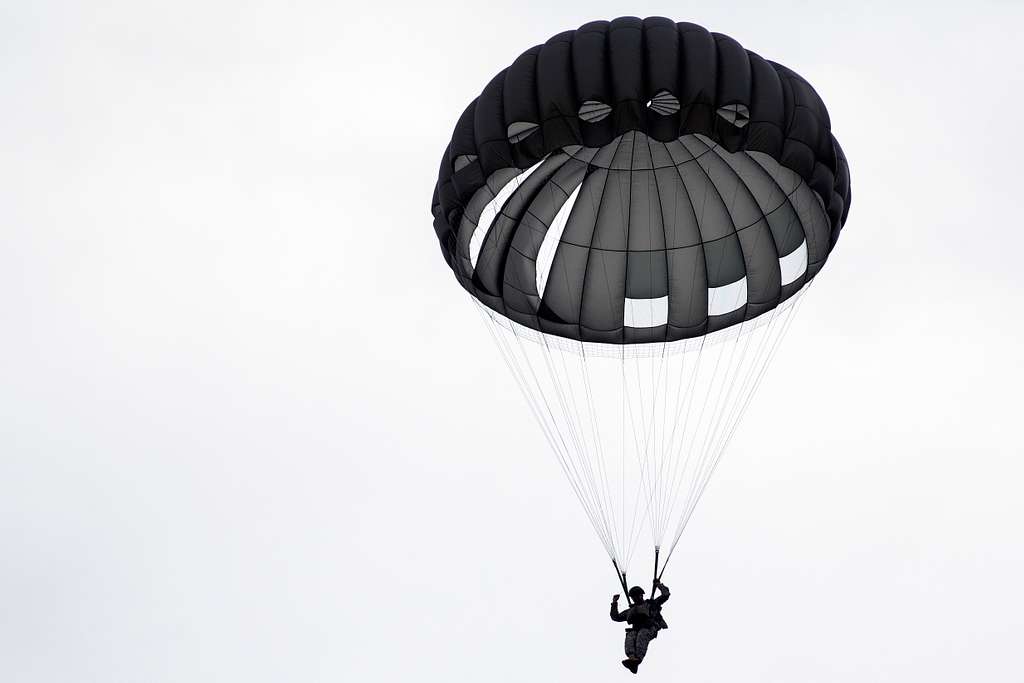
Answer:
(636, 592)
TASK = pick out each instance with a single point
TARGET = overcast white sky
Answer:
(247, 415)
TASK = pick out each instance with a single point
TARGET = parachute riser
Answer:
(654, 581)
(622, 581)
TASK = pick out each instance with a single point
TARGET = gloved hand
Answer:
(615, 598)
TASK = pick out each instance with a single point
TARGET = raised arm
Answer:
(663, 598)
(616, 615)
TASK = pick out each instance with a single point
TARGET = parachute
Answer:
(636, 209)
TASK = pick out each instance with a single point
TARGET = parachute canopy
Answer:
(640, 181)
(635, 206)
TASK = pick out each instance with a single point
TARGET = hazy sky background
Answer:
(247, 417)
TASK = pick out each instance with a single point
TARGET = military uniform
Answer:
(637, 641)
(645, 620)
